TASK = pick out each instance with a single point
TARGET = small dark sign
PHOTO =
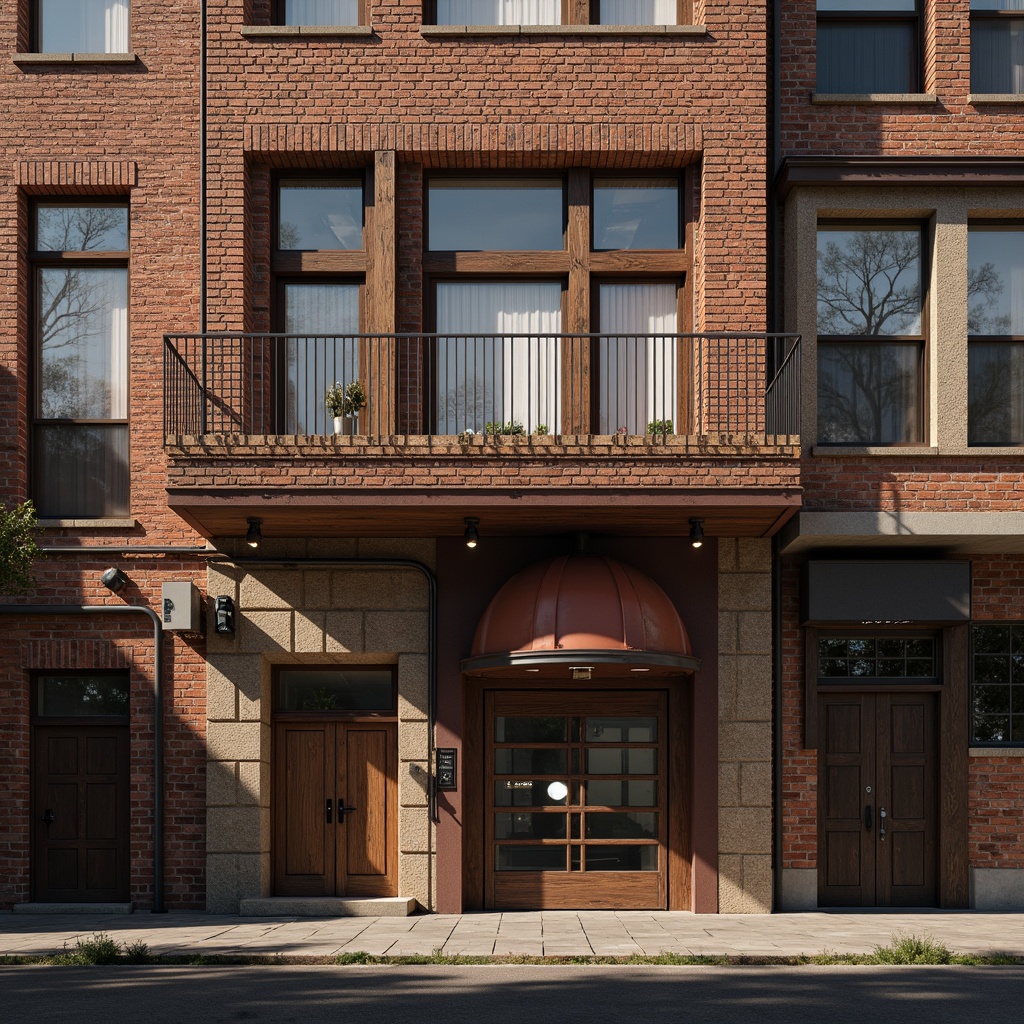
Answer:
(446, 768)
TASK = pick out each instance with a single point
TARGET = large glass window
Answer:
(319, 12)
(499, 12)
(867, 46)
(997, 683)
(870, 340)
(636, 213)
(997, 46)
(638, 12)
(82, 26)
(80, 432)
(319, 214)
(995, 327)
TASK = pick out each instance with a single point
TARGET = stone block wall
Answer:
(312, 615)
(744, 726)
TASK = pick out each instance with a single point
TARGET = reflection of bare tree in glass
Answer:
(287, 235)
(869, 286)
(995, 371)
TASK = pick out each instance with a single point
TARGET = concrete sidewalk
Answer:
(541, 933)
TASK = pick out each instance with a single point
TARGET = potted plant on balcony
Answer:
(344, 403)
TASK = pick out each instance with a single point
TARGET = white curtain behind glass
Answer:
(637, 372)
(638, 12)
(316, 360)
(498, 380)
(83, 26)
(321, 12)
(499, 12)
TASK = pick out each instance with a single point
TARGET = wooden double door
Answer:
(80, 813)
(877, 799)
(335, 808)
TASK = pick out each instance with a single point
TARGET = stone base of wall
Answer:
(799, 890)
(997, 889)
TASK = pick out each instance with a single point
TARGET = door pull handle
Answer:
(881, 824)
(48, 816)
(867, 817)
(328, 815)
(343, 810)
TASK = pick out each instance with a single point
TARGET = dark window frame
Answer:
(573, 12)
(277, 16)
(925, 235)
(45, 259)
(867, 17)
(981, 16)
(982, 624)
(38, 718)
(390, 715)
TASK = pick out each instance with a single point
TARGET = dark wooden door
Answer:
(80, 814)
(335, 809)
(877, 800)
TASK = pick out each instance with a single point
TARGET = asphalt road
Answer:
(507, 993)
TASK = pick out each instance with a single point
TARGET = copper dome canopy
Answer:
(581, 607)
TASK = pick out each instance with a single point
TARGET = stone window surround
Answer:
(945, 213)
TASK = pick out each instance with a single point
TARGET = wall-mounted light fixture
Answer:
(697, 532)
(113, 579)
(224, 614)
(471, 536)
(254, 534)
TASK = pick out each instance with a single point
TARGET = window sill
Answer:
(562, 30)
(874, 97)
(894, 451)
(74, 58)
(88, 524)
(995, 751)
(306, 31)
(994, 98)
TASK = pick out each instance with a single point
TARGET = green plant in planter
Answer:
(513, 427)
(541, 429)
(346, 399)
(660, 427)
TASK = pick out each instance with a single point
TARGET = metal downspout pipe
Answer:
(158, 714)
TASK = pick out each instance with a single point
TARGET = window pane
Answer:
(622, 826)
(82, 332)
(868, 393)
(336, 690)
(995, 280)
(529, 826)
(321, 12)
(80, 471)
(318, 215)
(621, 761)
(637, 371)
(892, 6)
(529, 858)
(82, 696)
(529, 793)
(83, 26)
(995, 393)
(521, 729)
(499, 12)
(530, 760)
(317, 358)
(621, 858)
(621, 793)
(869, 282)
(866, 57)
(636, 213)
(503, 385)
(637, 12)
(494, 214)
(997, 55)
(622, 730)
(997, 5)
(81, 228)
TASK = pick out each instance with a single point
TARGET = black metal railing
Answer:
(738, 385)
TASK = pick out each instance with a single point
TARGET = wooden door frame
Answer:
(953, 697)
(679, 775)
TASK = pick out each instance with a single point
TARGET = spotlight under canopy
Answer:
(697, 532)
(254, 534)
(472, 537)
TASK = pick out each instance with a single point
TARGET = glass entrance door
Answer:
(576, 800)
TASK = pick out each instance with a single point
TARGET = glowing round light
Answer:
(558, 790)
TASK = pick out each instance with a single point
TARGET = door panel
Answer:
(80, 814)
(877, 820)
(335, 809)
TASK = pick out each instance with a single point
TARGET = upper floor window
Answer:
(997, 46)
(319, 214)
(997, 683)
(995, 327)
(80, 317)
(636, 213)
(319, 12)
(870, 335)
(868, 46)
(639, 12)
(558, 12)
(81, 26)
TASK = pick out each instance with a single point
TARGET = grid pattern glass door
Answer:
(576, 794)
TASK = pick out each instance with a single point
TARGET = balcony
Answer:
(616, 432)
